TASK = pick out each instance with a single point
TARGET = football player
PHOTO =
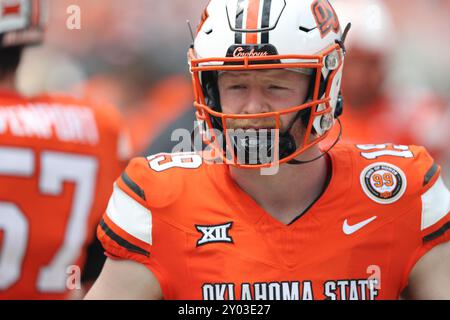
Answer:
(58, 160)
(277, 217)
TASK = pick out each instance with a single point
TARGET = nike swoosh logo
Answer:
(348, 230)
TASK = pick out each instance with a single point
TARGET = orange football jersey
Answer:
(59, 158)
(204, 238)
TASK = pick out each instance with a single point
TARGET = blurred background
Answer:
(133, 54)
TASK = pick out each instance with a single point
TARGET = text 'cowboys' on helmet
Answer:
(241, 35)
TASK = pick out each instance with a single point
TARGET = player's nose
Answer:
(255, 102)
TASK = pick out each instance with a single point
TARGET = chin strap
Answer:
(298, 162)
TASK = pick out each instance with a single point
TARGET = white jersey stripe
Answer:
(130, 215)
(435, 204)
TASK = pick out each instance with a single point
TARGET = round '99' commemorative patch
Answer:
(384, 183)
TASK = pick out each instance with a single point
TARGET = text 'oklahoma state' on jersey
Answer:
(59, 157)
(204, 238)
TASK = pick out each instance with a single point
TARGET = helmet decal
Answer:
(325, 16)
(253, 15)
(251, 51)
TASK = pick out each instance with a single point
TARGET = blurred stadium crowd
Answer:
(133, 55)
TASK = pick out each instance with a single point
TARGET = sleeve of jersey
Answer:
(435, 206)
(125, 230)
(435, 200)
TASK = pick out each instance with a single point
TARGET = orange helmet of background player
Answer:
(22, 22)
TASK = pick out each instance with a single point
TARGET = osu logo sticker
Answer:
(384, 183)
(325, 16)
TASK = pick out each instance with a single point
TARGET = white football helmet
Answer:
(22, 22)
(270, 34)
